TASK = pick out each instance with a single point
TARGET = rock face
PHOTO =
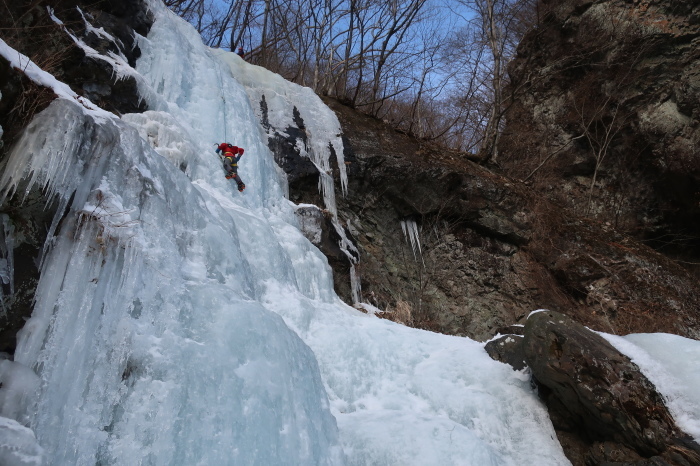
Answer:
(604, 116)
(507, 349)
(491, 250)
(602, 405)
(302, 174)
(470, 275)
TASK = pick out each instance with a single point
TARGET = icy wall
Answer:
(178, 321)
(321, 125)
(148, 334)
(321, 130)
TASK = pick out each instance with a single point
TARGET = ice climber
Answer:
(232, 155)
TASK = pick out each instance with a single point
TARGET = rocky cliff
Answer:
(604, 116)
(490, 249)
(594, 209)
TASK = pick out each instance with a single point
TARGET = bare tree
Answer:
(600, 126)
(398, 17)
(388, 58)
(495, 28)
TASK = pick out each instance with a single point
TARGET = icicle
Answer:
(355, 285)
(7, 246)
(353, 256)
(411, 233)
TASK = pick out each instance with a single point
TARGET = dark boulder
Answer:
(597, 394)
(507, 349)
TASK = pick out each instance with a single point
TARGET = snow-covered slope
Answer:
(178, 321)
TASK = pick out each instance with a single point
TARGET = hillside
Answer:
(603, 230)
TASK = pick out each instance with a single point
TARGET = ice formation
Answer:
(281, 97)
(18, 446)
(321, 126)
(412, 235)
(178, 321)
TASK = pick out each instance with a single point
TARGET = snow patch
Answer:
(23, 64)
(535, 312)
(672, 364)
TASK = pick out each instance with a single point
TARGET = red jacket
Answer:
(228, 151)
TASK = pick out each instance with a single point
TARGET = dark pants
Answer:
(232, 171)
(236, 178)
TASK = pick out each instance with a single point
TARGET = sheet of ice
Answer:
(285, 102)
(147, 335)
(672, 364)
(178, 321)
(282, 97)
